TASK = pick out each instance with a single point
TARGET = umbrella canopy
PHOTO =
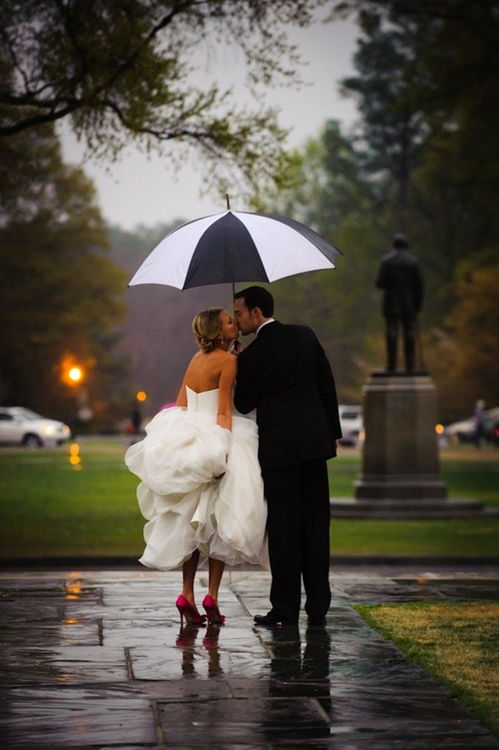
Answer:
(235, 246)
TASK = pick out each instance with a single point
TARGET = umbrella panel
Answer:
(225, 253)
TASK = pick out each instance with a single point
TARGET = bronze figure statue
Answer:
(400, 278)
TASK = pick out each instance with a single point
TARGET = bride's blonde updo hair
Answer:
(206, 328)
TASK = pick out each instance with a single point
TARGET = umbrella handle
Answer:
(227, 198)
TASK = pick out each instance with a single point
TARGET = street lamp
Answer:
(71, 371)
(75, 374)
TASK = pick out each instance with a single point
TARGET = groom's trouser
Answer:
(298, 535)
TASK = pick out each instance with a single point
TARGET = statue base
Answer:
(406, 509)
(400, 465)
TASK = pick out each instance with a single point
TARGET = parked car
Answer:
(352, 424)
(464, 431)
(20, 426)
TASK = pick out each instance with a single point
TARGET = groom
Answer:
(285, 375)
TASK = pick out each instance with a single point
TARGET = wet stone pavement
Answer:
(97, 660)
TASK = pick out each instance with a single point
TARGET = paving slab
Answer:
(97, 659)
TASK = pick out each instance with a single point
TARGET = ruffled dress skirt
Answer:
(201, 486)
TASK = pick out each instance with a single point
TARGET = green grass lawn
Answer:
(50, 508)
(467, 472)
(456, 642)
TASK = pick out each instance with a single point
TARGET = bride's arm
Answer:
(182, 394)
(226, 382)
(182, 397)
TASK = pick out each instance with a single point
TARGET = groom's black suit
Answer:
(285, 375)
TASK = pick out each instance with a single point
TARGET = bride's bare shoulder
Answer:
(226, 359)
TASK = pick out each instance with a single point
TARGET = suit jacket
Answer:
(284, 374)
(400, 278)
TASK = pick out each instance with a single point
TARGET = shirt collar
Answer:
(265, 322)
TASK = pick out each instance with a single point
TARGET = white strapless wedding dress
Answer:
(186, 506)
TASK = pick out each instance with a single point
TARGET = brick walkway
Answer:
(95, 659)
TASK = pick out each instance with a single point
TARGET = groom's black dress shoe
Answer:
(271, 620)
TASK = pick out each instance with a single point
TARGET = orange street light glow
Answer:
(439, 429)
(141, 396)
(75, 374)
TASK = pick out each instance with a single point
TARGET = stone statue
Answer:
(399, 277)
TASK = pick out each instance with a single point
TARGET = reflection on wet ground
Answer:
(98, 659)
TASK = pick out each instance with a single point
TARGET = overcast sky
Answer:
(141, 190)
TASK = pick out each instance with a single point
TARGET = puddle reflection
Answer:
(300, 668)
(186, 640)
(297, 661)
(210, 643)
(73, 587)
(74, 457)
(293, 702)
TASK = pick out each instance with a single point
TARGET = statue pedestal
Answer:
(400, 457)
(400, 468)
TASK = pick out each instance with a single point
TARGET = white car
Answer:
(20, 426)
(352, 424)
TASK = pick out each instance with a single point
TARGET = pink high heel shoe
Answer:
(190, 613)
(213, 613)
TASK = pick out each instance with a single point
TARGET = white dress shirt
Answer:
(265, 322)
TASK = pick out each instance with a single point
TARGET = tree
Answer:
(464, 353)
(445, 67)
(332, 193)
(60, 293)
(394, 130)
(444, 56)
(119, 70)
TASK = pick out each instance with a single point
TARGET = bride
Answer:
(201, 489)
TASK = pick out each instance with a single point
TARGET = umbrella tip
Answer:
(227, 198)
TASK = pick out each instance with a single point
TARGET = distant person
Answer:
(201, 490)
(135, 419)
(400, 279)
(480, 418)
(284, 374)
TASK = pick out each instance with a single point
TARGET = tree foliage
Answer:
(464, 354)
(438, 62)
(394, 129)
(60, 292)
(426, 147)
(331, 193)
(120, 70)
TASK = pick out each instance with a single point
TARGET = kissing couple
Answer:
(217, 485)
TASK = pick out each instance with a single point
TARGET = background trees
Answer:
(424, 158)
(119, 71)
(60, 292)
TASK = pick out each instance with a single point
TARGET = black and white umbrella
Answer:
(235, 246)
